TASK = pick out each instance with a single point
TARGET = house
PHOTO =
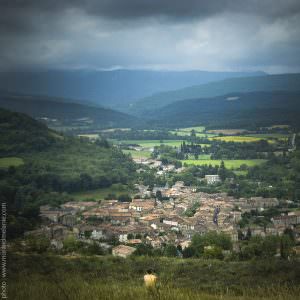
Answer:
(97, 234)
(212, 179)
(134, 241)
(122, 251)
(142, 205)
(68, 220)
(286, 220)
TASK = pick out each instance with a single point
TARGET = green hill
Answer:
(283, 82)
(50, 165)
(236, 110)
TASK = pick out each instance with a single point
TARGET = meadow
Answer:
(188, 133)
(237, 139)
(137, 154)
(279, 136)
(150, 143)
(77, 277)
(99, 194)
(255, 137)
(6, 162)
(230, 164)
(196, 128)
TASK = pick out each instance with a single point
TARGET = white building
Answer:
(211, 179)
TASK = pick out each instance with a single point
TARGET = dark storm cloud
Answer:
(174, 10)
(214, 34)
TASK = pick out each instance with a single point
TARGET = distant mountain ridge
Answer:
(282, 82)
(108, 88)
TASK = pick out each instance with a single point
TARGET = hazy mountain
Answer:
(236, 110)
(283, 82)
(64, 112)
(108, 88)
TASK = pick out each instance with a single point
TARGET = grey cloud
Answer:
(190, 34)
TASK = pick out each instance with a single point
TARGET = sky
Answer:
(218, 35)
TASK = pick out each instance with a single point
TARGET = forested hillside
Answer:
(64, 112)
(236, 110)
(53, 164)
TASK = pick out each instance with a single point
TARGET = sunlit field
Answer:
(230, 164)
(150, 143)
(137, 154)
(10, 161)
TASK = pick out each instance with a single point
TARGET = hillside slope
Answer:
(64, 111)
(282, 82)
(236, 110)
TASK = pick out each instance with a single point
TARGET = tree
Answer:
(37, 244)
(188, 252)
(269, 246)
(124, 198)
(286, 245)
(222, 171)
(213, 252)
(170, 250)
(143, 249)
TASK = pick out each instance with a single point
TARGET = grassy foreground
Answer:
(56, 277)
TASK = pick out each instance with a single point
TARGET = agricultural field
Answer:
(227, 131)
(240, 172)
(230, 164)
(196, 128)
(200, 157)
(100, 194)
(115, 129)
(149, 143)
(188, 133)
(137, 154)
(237, 139)
(255, 137)
(11, 162)
(279, 136)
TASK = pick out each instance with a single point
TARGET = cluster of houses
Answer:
(154, 222)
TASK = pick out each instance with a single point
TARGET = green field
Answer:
(237, 139)
(230, 164)
(188, 133)
(11, 161)
(150, 143)
(278, 136)
(196, 128)
(153, 143)
(137, 154)
(200, 157)
(100, 194)
(251, 138)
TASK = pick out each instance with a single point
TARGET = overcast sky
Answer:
(153, 34)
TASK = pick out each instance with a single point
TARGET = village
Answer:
(118, 227)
